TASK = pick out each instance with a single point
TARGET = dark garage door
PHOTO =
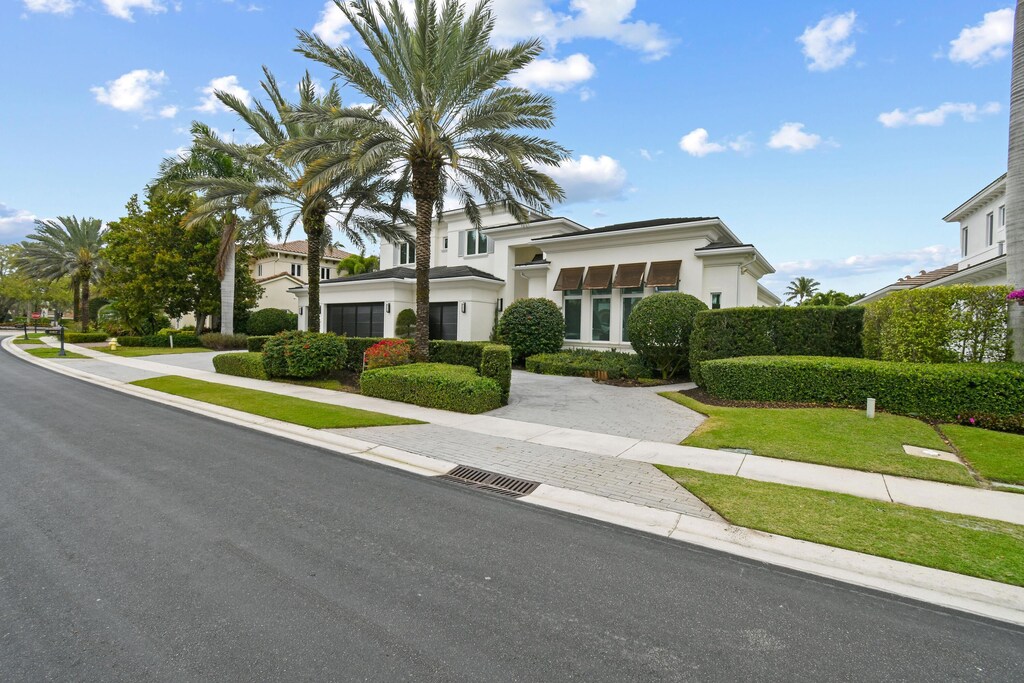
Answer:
(444, 321)
(356, 320)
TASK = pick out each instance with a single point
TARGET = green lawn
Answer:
(21, 341)
(958, 543)
(50, 352)
(826, 436)
(328, 383)
(995, 455)
(285, 408)
(136, 351)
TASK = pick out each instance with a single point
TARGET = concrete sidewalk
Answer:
(611, 451)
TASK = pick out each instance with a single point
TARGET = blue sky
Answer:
(833, 136)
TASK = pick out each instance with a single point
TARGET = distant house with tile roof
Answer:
(284, 266)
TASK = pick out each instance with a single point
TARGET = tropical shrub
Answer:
(255, 344)
(954, 324)
(465, 353)
(304, 354)
(783, 331)
(659, 330)
(245, 364)
(84, 337)
(992, 393)
(589, 363)
(531, 326)
(387, 353)
(270, 321)
(405, 324)
(223, 342)
(496, 363)
(95, 304)
(434, 385)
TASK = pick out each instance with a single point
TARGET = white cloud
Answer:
(646, 154)
(122, 9)
(51, 6)
(742, 143)
(791, 136)
(589, 178)
(907, 262)
(986, 42)
(132, 91)
(586, 94)
(333, 27)
(554, 74)
(827, 45)
(968, 111)
(15, 223)
(696, 144)
(229, 84)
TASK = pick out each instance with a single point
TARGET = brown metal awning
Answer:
(629, 275)
(569, 279)
(599, 277)
(664, 274)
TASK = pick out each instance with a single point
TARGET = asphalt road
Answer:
(138, 542)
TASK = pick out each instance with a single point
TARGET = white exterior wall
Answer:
(978, 249)
(276, 295)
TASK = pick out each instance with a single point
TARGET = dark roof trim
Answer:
(636, 225)
(404, 273)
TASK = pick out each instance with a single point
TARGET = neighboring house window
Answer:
(990, 229)
(716, 300)
(297, 269)
(601, 319)
(476, 243)
(259, 270)
(572, 306)
(630, 298)
(406, 253)
(1002, 215)
(325, 273)
(963, 242)
(444, 244)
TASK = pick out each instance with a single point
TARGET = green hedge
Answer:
(223, 342)
(469, 354)
(304, 354)
(267, 322)
(85, 337)
(784, 331)
(434, 385)
(587, 363)
(244, 364)
(531, 326)
(255, 344)
(496, 363)
(991, 393)
(181, 340)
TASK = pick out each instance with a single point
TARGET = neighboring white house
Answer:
(982, 222)
(595, 275)
(284, 266)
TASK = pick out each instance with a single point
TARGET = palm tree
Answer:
(802, 288)
(443, 118)
(66, 247)
(1015, 185)
(354, 264)
(271, 184)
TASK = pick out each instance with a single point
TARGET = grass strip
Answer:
(21, 341)
(51, 352)
(137, 351)
(984, 548)
(285, 408)
(826, 436)
(994, 455)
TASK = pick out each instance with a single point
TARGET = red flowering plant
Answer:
(387, 353)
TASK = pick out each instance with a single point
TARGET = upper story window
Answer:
(444, 244)
(406, 253)
(1002, 215)
(259, 270)
(963, 242)
(476, 243)
(297, 269)
(325, 273)
(990, 229)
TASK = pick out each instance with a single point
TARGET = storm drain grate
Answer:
(483, 480)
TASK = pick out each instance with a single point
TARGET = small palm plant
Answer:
(801, 289)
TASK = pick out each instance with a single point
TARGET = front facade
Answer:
(595, 276)
(284, 266)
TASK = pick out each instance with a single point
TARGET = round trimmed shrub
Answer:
(405, 324)
(659, 329)
(269, 321)
(531, 326)
(304, 354)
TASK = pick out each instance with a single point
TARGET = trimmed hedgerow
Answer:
(531, 326)
(85, 337)
(434, 385)
(244, 364)
(255, 344)
(496, 363)
(269, 321)
(181, 340)
(659, 330)
(991, 393)
(304, 354)
(223, 342)
(588, 363)
(457, 352)
(786, 331)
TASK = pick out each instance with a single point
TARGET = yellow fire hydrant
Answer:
(113, 344)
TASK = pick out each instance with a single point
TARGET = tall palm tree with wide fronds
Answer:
(443, 120)
(66, 247)
(270, 185)
(1015, 185)
(355, 264)
(203, 163)
(802, 288)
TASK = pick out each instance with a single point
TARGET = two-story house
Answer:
(283, 266)
(595, 276)
(982, 231)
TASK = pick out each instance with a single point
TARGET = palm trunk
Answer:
(1015, 185)
(76, 289)
(227, 291)
(317, 220)
(85, 304)
(426, 186)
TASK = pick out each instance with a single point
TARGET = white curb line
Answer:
(946, 589)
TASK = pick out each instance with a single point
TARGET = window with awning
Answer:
(569, 279)
(599, 277)
(664, 274)
(629, 275)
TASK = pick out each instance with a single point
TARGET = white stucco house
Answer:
(982, 231)
(594, 275)
(284, 266)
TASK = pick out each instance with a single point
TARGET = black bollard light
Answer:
(61, 352)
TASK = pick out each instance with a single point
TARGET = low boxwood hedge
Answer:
(223, 342)
(255, 344)
(465, 353)
(990, 393)
(434, 385)
(588, 363)
(84, 337)
(181, 340)
(496, 363)
(244, 364)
